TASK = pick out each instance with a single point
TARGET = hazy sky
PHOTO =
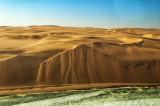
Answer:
(81, 13)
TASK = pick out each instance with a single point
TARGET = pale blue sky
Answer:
(81, 13)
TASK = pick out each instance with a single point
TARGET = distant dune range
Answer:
(47, 55)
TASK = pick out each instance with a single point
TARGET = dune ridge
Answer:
(85, 64)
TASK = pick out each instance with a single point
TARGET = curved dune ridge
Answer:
(46, 55)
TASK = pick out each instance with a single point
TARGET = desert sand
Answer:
(48, 55)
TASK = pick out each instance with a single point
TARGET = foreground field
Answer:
(6, 91)
(128, 96)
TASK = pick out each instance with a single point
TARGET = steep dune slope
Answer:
(86, 64)
(22, 70)
(80, 65)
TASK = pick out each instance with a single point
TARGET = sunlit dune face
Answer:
(148, 35)
(14, 43)
(130, 40)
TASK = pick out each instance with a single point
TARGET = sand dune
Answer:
(47, 55)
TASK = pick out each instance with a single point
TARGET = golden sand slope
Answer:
(42, 55)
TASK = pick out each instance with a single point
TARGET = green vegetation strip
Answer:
(139, 96)
(25, 98)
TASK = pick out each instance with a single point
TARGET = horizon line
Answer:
(77, 26)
